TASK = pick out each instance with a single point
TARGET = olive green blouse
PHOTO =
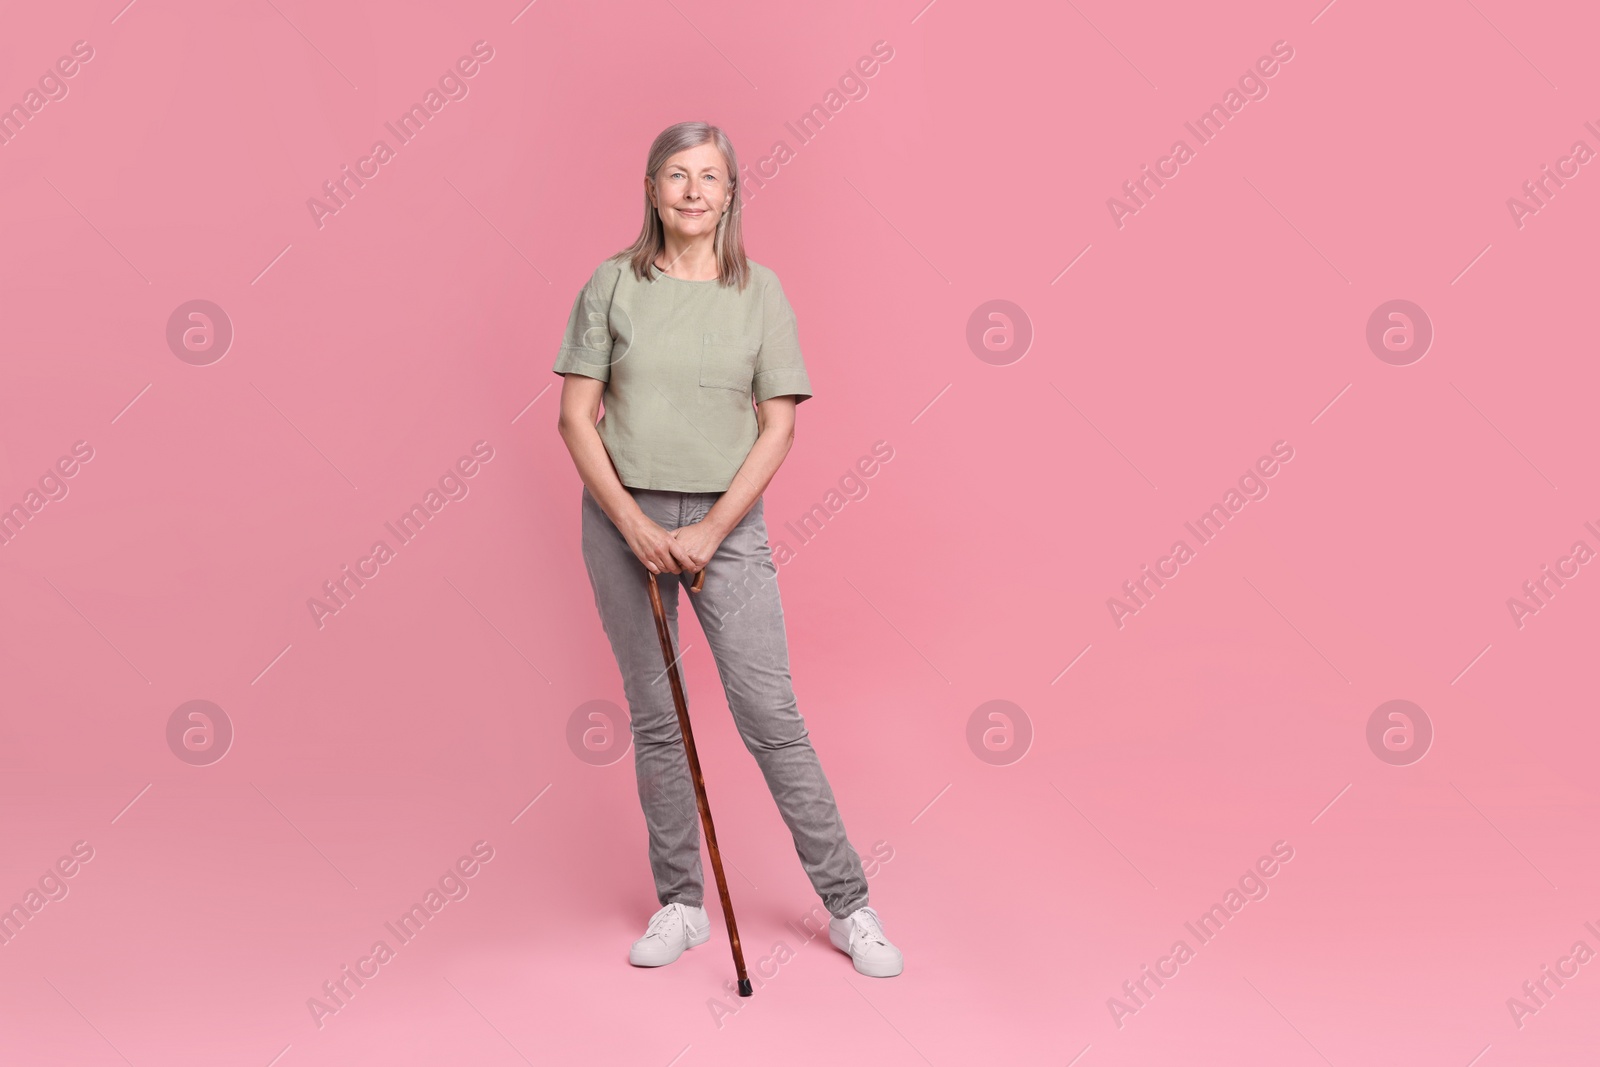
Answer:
(682, 362)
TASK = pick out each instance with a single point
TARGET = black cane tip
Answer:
(745, 989)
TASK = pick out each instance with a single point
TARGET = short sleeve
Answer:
(586, 344)
(780, 368)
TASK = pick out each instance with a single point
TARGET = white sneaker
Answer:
(861, 935)
(671, 930)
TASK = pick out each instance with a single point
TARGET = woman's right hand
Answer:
(656, 548)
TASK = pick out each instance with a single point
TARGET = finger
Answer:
(682, 554)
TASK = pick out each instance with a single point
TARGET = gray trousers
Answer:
(742, 616)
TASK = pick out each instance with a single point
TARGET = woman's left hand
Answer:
(700, 541)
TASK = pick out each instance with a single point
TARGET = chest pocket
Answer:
(728, 361)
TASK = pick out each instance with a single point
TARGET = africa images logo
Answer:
(452, 86)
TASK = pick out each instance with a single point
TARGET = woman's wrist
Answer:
(717, 518)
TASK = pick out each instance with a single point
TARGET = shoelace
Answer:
(868, 928)
(661, 923)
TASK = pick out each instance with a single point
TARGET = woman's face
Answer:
(691, 191)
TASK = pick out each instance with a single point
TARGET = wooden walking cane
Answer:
(678, 698)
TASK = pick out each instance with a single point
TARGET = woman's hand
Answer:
(699, 540)
(658, 549)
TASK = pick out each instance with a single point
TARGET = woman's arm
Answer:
(580, 405)
(775, 420)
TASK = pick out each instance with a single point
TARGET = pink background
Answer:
(1230, 713)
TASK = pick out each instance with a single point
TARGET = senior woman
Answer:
(679, 334)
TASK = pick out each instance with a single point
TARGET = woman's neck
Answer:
(694, 261)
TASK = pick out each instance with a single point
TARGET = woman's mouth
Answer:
(693, 213)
